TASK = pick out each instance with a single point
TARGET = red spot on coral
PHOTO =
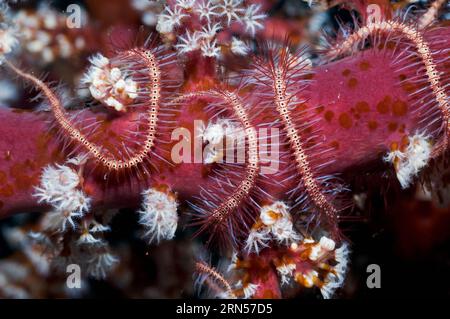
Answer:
(405, 142)
(42, 144)
(346, 72)
(383, 105)
(30, 164)
(23, 180)
(329, 115)
(308, 130)
(372, 125)
(408, 87)
(364, 65)
(345, 120)
(3, 178)
(399, 108)
(335, 144)
(394, 146)
(392, 126)
(320, 109)
(391, 45)
(362, 107)
(302, 106)
(352, 83)
(7, 191)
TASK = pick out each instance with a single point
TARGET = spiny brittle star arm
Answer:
(252, 167)
(77, 136)
(202, 268)
(295, 141)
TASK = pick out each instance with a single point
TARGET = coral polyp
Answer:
(261, 147)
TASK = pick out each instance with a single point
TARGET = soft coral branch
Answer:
(345, 95)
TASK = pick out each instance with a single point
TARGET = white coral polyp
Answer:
(7, 41)
(253, 18)
(59, 220)
(322, 255)
(59, 188)
(62, 177)
(249, 290)
(341, 254)
(257, 240)
(109, 85)
(169, 19)
(67, 206)
(185, 4)
(274, 223)
(309, 277)
(213, 16)
(86, 238)
(283, 231)
(189, 42)
(286, 271)
(327, 244)
(231, 9)
(279, 222)
(206, 10)
(98, 228)
(239, 47)
(158, 215)
(56, 182)
(335, 279)
(210, 49)
(409, 162)
(324, 246)
(215, 133)
(100, 264)
(74, 201)
(270, 214)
